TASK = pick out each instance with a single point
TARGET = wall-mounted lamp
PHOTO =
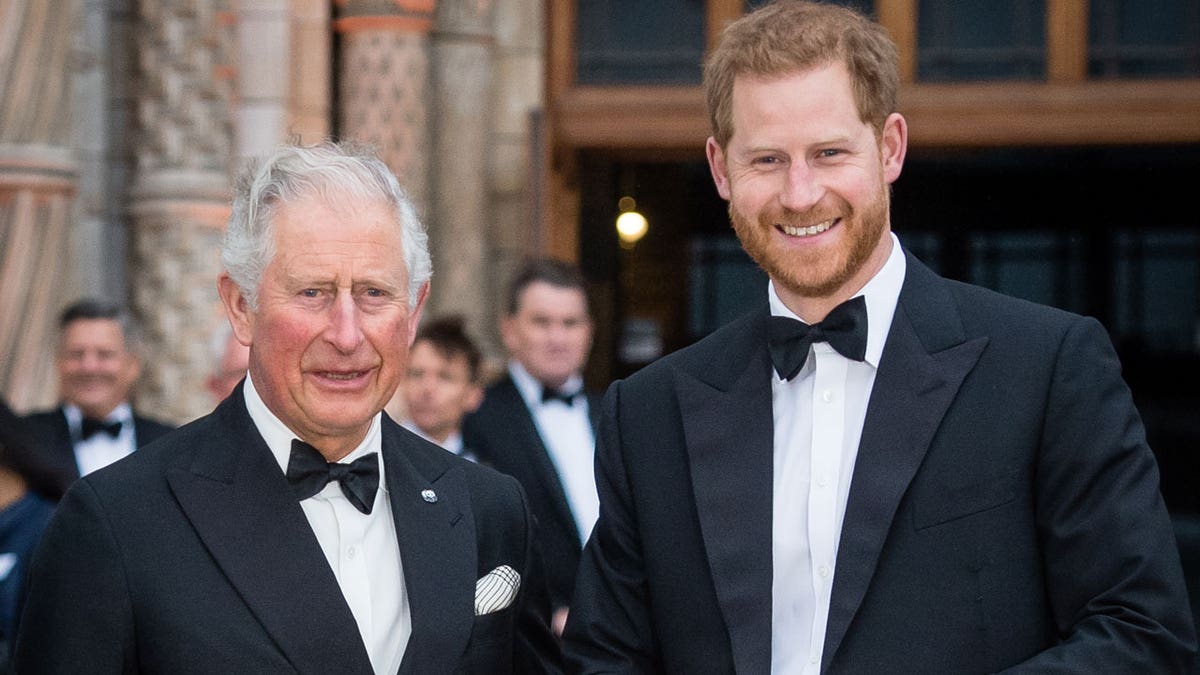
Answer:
(631, 225)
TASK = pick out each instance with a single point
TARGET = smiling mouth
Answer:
(809, 231)
(346, 377)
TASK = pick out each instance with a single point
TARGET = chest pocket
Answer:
(939, 503)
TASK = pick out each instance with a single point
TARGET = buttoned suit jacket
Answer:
(503, 434)
(193, 555)
(1003, 512)
(52, 438)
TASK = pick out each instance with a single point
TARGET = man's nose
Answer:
(801, 188)
(345, 323)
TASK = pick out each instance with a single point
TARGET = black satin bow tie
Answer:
(309, 473)
(845, 329)
(92, 427)
(552, 394)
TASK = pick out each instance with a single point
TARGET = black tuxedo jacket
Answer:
(502, 433)
(1003, 512)
(194, 556)
(52, 438)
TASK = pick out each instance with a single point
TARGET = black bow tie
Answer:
(92, 427)
(309, 473)
(845, 329)
(552, 394)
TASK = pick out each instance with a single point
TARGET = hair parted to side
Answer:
(792, 36)
(558, 273)
(329, 170)
(448, 335)
(85, 309)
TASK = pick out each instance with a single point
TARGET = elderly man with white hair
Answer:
(297, 528)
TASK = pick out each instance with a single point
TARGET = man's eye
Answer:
(829, 152)
(310, 292)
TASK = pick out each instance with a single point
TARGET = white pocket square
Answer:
(496, 590)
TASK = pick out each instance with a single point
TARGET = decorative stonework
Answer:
(384, 86)
(38, 182)
(180, 196)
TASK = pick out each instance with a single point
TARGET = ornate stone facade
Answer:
(180, 195)
(38, 181)
(172, 94)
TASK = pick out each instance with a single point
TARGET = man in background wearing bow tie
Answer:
(297, 528)
(537, 422)
(98, 363)
(876, 470)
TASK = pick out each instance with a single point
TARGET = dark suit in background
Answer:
(211, 565)
(52, 436)
(502, 433)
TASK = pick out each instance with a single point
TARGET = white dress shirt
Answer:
(362, 549)
(566, 431)
(818, 419)
(101, 449)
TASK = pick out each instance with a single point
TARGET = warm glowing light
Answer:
(631, 227)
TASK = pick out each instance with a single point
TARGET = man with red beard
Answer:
(876, 470)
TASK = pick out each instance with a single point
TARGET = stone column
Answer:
(180, 196)
(38, 181)
(462, 105)
(310, 99)
(518, 94)
(384, 85)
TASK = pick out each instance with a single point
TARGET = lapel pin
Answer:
(429, 496)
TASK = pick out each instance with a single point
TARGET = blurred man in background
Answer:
(98, 363)
(442, 383)
(537, 423)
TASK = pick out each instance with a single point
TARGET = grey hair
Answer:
(293, 172)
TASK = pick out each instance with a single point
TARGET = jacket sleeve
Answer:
(609, 625)
(1112, 569)
(78, 616)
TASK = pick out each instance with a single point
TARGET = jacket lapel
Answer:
(239, 502)
(547, 475)
(725, 399)
(436, 531)
(925, 359)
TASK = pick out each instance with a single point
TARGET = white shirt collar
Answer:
(279, 437)
(531, 390)
(881, 292)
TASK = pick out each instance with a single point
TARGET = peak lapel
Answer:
(238, 501)
(925, 360)
(437, 550)
(727, 421)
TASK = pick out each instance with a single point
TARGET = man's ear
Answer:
(241, 319)
(508, 333)
(414, 318)
(717, 166)
(893, 146)
(473, 399)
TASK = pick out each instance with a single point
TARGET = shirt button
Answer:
(813, 660)
(822, 481)
(823, 570)
(827, 395)
(351, 552)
